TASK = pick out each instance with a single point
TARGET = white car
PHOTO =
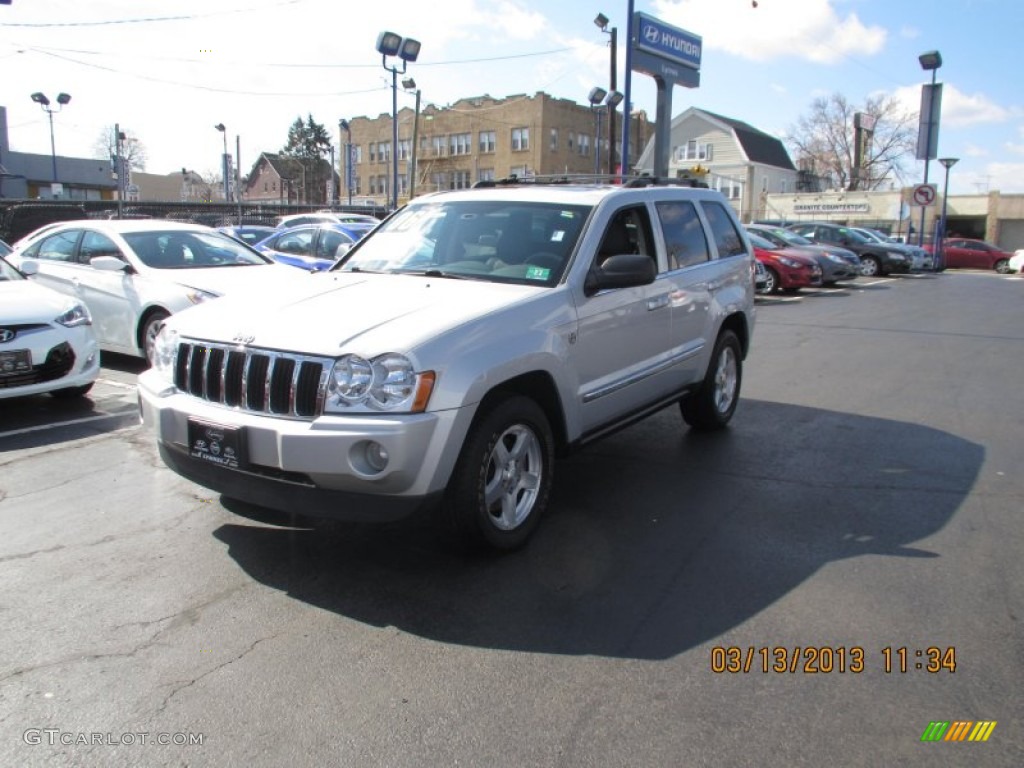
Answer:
(46, 340)
(133, 274)
(1016, 264)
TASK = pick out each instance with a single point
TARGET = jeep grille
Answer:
(260, 381)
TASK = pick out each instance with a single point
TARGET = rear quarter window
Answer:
(724, 230)
(685, 240)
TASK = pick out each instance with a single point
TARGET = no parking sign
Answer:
(924, 194)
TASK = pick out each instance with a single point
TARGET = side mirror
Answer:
(29, 267)
(623, 271)
(108, 264)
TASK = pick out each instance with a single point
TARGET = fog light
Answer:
(376, 456)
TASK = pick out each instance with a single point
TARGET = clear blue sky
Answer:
(169, 71)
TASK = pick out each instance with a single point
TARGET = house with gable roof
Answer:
(742, 162)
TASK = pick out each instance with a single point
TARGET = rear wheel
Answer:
(501, 482)
(712, 406)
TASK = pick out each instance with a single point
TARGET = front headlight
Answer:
(792, 263)
(388, 382)
(836, 259)
(74, 316)
(165, 351)
(197, 296)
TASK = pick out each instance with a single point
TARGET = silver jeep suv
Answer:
(456, 350)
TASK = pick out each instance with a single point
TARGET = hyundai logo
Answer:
(6, 334)
(651, 33)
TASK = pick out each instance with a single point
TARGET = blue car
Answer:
(250, 234)
(311, 246)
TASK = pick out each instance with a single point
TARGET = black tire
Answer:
(1002, 266)
(149, 330)
(69, 393)
(870, 266)
(712, 406)
(501, 481)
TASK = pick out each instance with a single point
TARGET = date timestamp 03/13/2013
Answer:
(825, 659)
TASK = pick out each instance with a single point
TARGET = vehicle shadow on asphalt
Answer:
(657, 539)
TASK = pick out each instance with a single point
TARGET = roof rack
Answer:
(592, 178)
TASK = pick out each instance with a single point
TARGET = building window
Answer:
(554, 139)
(460, 180)
(404, 149)
(439, 181)
(485, 174)
(520, 139)
(384, 151)
(359, 186)
(357, 151)
(572, 140)
(373, 185)
(373, 152)
(519, 171)
(488, 141)
(459, 143)
(439, 145)
(584, 145)
(691, 150)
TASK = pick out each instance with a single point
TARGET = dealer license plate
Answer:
(15, 361)
(217, 444)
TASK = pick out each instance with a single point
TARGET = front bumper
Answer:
(315, 467)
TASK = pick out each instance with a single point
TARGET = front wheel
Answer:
(712, 406)
(150, 329)
(501, 482)
(870, 266)
(1003, 266)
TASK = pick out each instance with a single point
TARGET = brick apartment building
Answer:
(477, 139)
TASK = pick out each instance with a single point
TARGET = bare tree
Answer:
(823, 142)
(132, 149)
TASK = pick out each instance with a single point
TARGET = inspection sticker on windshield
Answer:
(537, 273)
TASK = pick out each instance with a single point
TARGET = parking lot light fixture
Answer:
(940, 254)
(930, 62)
(601, 21)
(391, 45)
(44, 104)
(224, 163)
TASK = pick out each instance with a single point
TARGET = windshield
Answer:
(494, 240)
(182, 249)
(790, 237)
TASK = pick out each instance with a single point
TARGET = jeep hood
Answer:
(336, 312)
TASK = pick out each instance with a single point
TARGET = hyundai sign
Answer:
(677, 45)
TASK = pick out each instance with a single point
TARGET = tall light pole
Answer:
(410, 85)
(44, 103)
(224, 163)
(595, 97)
(344, 126)
(947, 163)
(602, 23)
(406, 49)
(928, 130)
(628, 89)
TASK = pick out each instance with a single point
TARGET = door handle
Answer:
(657, 302)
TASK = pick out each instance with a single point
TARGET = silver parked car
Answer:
(456, 349)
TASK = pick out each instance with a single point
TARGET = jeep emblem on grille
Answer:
(244, 338)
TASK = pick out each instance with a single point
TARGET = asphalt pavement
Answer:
(818, 585)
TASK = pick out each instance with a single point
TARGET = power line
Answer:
(147, 20)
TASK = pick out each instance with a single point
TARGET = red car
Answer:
(788, 268)
(963, 253)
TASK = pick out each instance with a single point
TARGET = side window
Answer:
(684, 235)
(330, 241)
(97, 244)
(300, 242)
(628, 232)
(723, 229)
(59, 247)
